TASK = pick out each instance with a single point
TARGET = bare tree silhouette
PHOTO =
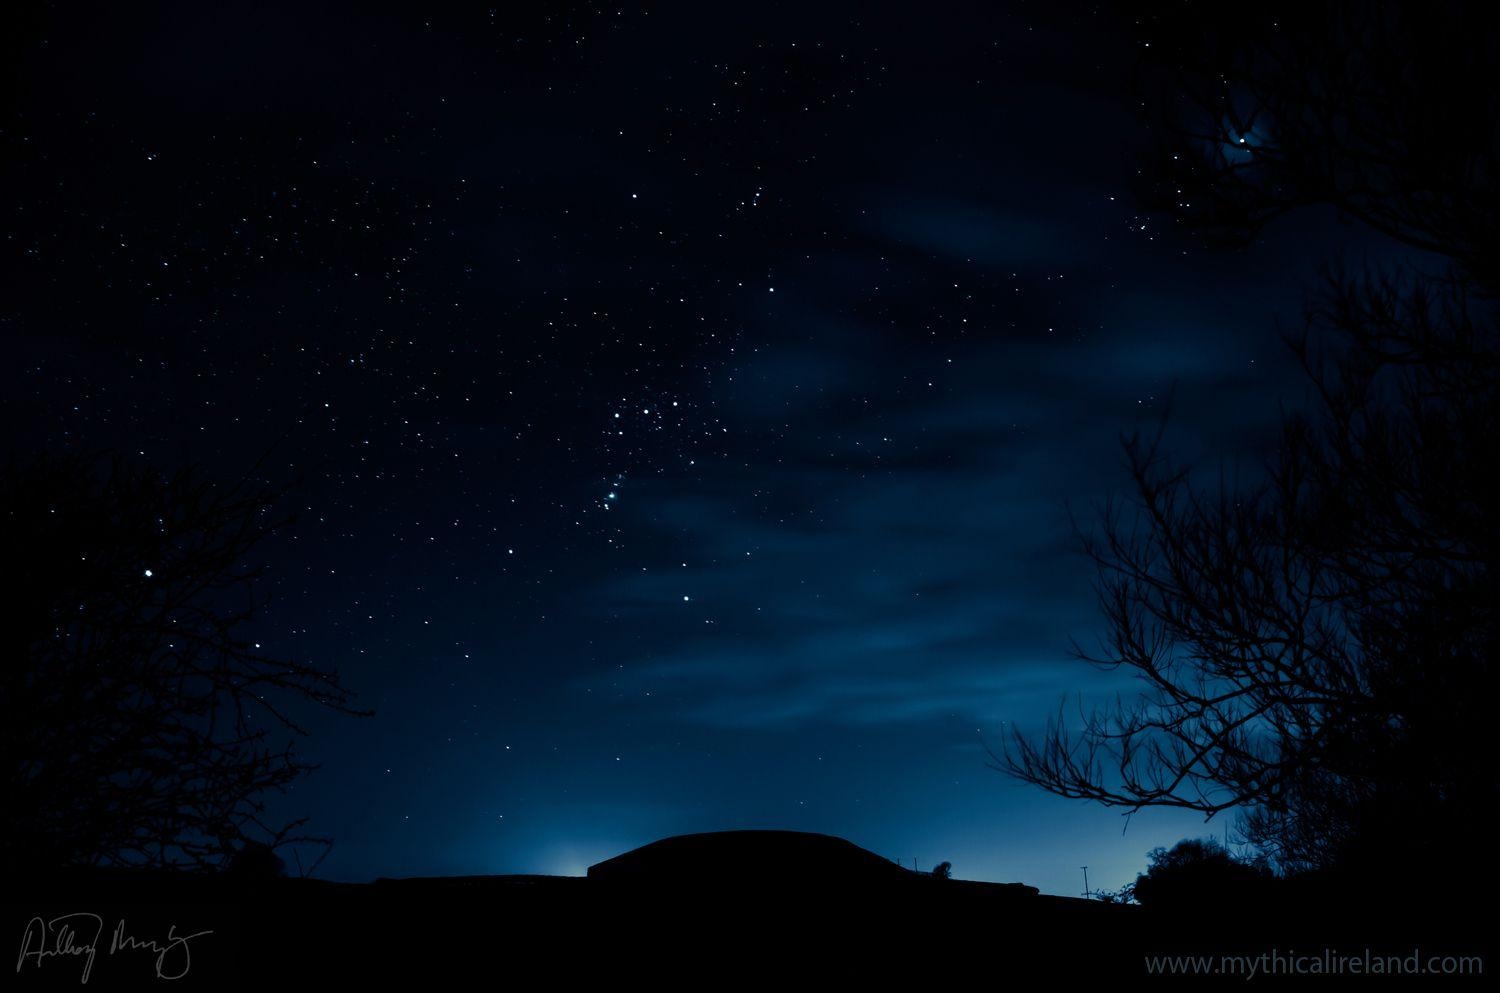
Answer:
(1317, 649)
(138, 725)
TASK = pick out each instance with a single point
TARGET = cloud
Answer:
(972, 232)
(895, 545)
(922, 593)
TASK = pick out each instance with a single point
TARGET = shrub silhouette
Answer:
(254, 862)
(1196, 873)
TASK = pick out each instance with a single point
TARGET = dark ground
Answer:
(506, 931)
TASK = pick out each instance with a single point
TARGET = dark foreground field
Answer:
(526, 931)
(705, 910)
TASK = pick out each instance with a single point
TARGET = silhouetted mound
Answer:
(749, 857)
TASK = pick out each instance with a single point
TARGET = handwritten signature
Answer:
(77, 936)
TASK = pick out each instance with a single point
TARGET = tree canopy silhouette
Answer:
(139, 725)
(1317, 649)
(1194, 874)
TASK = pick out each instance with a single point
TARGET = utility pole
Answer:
(1085, 881)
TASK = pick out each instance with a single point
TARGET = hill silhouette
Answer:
(746, 855)
(743, 858)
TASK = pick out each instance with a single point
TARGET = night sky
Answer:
(682, 405)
